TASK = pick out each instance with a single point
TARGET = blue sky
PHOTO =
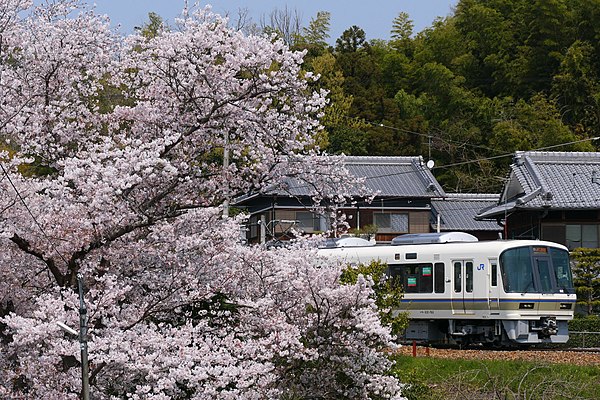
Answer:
(374, 17)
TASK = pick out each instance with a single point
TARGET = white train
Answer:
(460, 290)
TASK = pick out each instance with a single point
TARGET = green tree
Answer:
(402, 30)
(153, 27)
(541, 52)
(441, 43)
(360, 64)
(388, 292)
(576, 87)
(337, 111)
(402, 27)
(352, 39)
(489, 43)
(314, 37)
(396, 72)
(532, 125)
(349, 141)
(586, 271)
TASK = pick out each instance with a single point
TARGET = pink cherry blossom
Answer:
(111, 154)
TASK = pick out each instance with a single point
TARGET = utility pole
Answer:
(85, 369)
(225, 170)
(429, 146)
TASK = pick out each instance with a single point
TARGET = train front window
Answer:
(562, 270)
(536, 269)
(517, 271)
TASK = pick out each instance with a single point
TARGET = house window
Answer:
(582, 236)
(310, 222)
(286, 221)
(554, 233)
(572, 235)
(253, 226)
(589, 236)
(391, 222)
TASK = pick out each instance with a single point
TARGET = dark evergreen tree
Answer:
(586, 270)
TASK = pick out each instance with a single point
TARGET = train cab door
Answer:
(543, 273)
(462, 287)
(544, 277)
(494, 289)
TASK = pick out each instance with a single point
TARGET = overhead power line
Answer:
(428, 136)
(512, 153)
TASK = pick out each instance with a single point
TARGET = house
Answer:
(457, 211)
(404, 187)
(552, 196)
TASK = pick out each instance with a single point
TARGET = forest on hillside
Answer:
(494, 77)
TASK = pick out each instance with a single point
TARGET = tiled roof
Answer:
(458, 211)
(552, 180)
(395, 176)
(386, 176)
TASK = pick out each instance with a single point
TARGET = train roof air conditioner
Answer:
(426, 238)
(347, 242)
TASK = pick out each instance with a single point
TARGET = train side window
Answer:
(395, 274)
(457, 277)
(469, 276)
(411, 278)
(415, 278)
(426, 284)
(438, 276)
(494, 277)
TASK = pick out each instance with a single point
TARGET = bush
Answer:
(590, 323)
(388, 293)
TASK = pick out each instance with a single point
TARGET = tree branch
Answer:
(25, 246)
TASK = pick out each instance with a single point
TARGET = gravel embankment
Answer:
(537, 356)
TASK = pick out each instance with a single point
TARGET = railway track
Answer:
(556, 356)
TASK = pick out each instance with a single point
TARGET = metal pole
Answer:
(226, 170)
(85, 372)
(429, 143)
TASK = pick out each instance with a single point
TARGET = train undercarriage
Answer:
(493, 333)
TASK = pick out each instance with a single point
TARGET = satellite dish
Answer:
(430, 164)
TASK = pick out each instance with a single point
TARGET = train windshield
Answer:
(536, 269)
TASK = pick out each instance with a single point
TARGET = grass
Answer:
(431, 378)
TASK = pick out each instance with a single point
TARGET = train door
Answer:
(544, 273)
(494, 289)
(462, 287)
(544, 277)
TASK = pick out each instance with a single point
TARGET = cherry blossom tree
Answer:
(112, 155)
